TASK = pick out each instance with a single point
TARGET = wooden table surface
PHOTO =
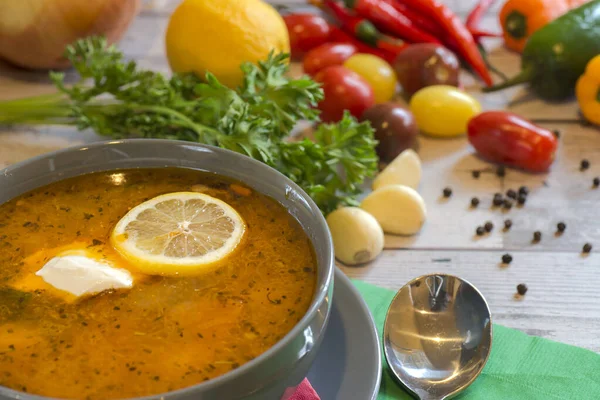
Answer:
(563, 302)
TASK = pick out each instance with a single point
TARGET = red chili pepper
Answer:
(454, 27)
(339, 36)
(420, 20)
(477, 12)
(504, 137)
(364, 29)
(478, 33)
(475, 17)
(389, 19)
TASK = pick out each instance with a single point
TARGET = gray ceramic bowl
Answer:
(285, 364)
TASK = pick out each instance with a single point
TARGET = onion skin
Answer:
(35, 33)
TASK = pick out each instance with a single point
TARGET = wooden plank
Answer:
(565, 194)
(561, 304)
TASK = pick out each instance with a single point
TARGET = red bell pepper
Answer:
(505, 138)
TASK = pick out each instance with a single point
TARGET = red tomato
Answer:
(344, 90)
(306, 31)
(505, 138)
(326, 55)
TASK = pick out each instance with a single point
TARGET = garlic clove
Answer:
(405, 169)
(357, 237)
(399, 209)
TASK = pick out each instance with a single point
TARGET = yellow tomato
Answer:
(377, 72)
(443, 111)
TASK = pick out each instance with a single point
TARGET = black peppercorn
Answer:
(507, 259)
(596, 182)
(476, 173)
(474, 202)
(524, 190)
(560, 227)
(488, 226)
(507, 224)
(498, 200)
(479, 231)
(537, 236)
(522, 289)
(511, 194)
(501, 171)
(585, 164)
(507, 204)
(522, 199)
(447, 192)
(587, 248)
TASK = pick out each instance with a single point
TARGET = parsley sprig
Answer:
(116, 98)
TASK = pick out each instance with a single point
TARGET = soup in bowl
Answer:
(158, 268)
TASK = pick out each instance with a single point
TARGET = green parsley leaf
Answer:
(116, 98)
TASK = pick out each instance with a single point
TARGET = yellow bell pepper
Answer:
(588, 91)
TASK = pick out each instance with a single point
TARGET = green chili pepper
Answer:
(556, 55)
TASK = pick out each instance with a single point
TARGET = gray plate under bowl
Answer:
(348, 365)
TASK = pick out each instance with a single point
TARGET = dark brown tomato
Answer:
(426, 64)
(395, 129)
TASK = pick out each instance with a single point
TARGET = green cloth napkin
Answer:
(519, 367)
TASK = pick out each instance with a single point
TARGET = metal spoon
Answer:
(437, 336)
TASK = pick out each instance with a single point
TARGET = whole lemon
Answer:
(219, 35)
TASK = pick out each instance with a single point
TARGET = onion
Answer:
(35, 33)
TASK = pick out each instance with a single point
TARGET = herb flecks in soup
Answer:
(164, 333)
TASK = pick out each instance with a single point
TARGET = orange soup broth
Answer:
(163, 334)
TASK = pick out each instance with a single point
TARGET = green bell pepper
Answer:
(556, 55)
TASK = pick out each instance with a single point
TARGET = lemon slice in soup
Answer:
(178, 233)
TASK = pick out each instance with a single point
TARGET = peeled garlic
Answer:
(405, 169)
(399, 209)
(357, 237)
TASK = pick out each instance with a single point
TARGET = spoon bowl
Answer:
(437, 336)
